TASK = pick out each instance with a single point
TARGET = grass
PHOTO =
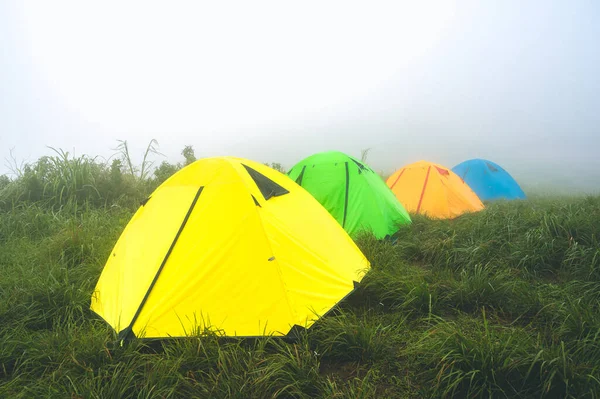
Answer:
(502, 303)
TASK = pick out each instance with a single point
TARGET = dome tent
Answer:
(433, 190)
(227, 244)
(489, 180)
(354, 195)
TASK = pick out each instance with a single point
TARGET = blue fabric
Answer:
(488, 180)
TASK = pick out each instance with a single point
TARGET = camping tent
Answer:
(489, 180)
(434, 190)
(226, 244)
(355, 196)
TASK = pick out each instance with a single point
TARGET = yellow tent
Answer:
(434, 190)
(230, 245)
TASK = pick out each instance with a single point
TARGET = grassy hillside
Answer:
(502, 303)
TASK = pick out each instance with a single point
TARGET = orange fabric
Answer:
(395, 181)
(433, 191)
(423, 191)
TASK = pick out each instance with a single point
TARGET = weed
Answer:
(500, 303)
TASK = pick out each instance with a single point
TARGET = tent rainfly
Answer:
(489, 180)
(352, 192)
(229, 245)
(433, 190)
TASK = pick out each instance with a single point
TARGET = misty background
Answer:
(514, 82)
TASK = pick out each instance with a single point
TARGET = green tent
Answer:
(355, 196)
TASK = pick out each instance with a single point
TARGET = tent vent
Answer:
(272, 258)
(492, 167)
(300, 176)
(145, 201)
(360, 165)
(267, 187)
(255, 201)
(443, 171)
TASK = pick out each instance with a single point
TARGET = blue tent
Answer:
(488, 180)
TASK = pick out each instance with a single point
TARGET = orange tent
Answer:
(433, 190)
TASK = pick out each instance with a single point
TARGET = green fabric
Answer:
(371, 205)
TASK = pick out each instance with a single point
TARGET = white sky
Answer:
(277, 81)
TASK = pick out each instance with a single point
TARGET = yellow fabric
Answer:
(439, 194)
(236, 267)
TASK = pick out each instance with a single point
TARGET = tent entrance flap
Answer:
(125, 334)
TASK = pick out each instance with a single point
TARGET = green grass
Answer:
(502, 303)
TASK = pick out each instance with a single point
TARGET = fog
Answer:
(514, 82)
